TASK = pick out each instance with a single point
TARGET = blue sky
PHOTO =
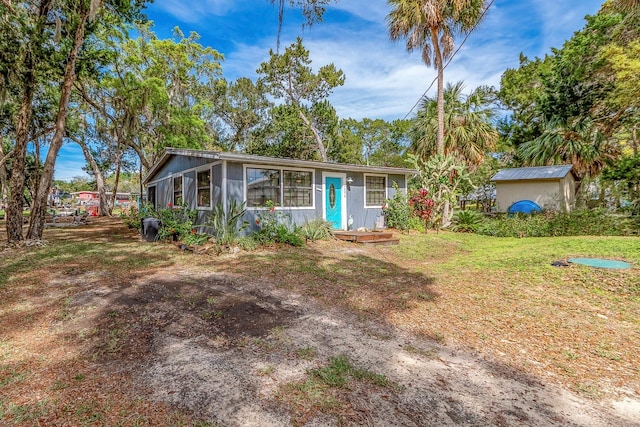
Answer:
(383, 80)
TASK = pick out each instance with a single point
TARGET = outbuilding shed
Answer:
(550, 187)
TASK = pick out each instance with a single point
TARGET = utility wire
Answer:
(484, 12)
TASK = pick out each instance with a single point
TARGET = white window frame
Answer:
(281, 169)
(386, 189)
(204, 169)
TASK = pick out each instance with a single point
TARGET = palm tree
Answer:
(469, 133)
(627, 5)
(577, 141)
(430, 25)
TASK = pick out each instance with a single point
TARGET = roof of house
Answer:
(275, 161)
(533, 173)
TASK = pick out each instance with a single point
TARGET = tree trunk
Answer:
(3, 174)
(440, 104)
(103, 208)
(119, 153)
(141, 200)
(14, 216)
(321, 148)
(36, 172)
(440, 107)
(39, 209)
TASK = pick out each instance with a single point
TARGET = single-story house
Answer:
(348, 196)
(550, 187)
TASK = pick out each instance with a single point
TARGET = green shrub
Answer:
(585, 222)
(417, 224)
(316, 229)
(276, 227)
(467, 221)
(247, 243)
(518, 225)
(397, 211)
(177, 222)
(132, 219)
(195, 239)
(580, 222)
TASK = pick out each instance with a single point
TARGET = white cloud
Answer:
(195, 11)
(364, 9)
(382, 79)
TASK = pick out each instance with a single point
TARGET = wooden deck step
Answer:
(367, 237)
(381, 242)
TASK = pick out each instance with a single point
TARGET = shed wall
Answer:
(547, 194)
(568, 188)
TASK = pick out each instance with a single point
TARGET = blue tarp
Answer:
(524, 206)
(600, 263)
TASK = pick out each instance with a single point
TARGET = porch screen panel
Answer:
(263, 185)
(376, 190)
(298, 189)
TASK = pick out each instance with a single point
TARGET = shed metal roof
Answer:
(533, 173)
(249, 158)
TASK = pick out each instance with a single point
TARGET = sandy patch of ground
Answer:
(224, 349)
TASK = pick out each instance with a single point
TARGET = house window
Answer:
(151, 196)
(298, 189)
(177, 190)
(376, 190)
(204, 188)
(263, 185)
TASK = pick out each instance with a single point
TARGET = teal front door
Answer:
(333, 201)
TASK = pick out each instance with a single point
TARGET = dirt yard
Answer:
(100, 328)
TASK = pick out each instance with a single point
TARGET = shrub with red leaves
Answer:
(422, 205)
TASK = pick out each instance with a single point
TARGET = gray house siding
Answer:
(178, 165)
(228, 182)
(363, 215)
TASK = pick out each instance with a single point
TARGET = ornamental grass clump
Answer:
(316, 229)
(228, 225)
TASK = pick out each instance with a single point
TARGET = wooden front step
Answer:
(381, 242)
(370, 237)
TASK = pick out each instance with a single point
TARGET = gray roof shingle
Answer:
(533, 173)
